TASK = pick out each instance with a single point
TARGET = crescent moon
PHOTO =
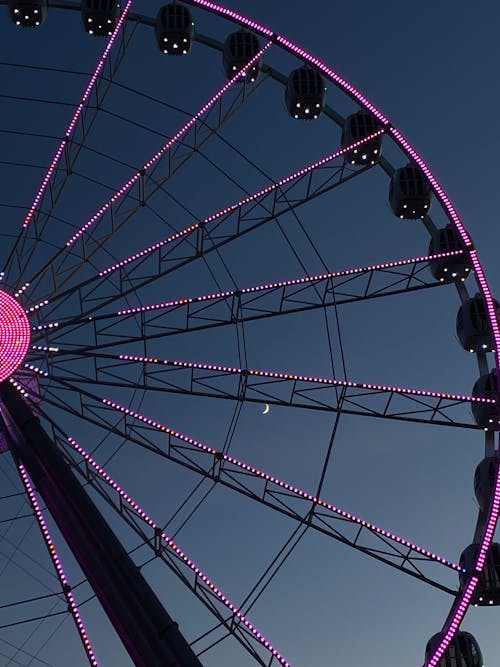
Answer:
(266, 409)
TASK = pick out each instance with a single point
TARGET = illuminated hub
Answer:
(14, 335)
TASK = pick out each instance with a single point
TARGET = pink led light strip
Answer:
(76, 116)
(178, 551)
(284, 485)
(302, 378)
(243, 202)
(157, 156)
(290, 283)
(73, 607)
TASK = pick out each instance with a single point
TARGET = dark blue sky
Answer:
(431, 72)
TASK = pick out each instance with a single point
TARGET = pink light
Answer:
(76, 116)
(243, 202)
(73, 607)
(289, 283)
(157, 156)
(285, 485)
(187, 561)
(15, 335)
(276, 375)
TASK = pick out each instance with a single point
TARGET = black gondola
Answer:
(174, 29)
(410, 193)
(100, 17)
(455, 267)
(487, 591)
(486, 415)
(473, 325)
(484, 481)
(28, 14)
(305, 93)
(357, 127)
(239, 49)
(462, 651)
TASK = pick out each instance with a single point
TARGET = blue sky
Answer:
(432, 73)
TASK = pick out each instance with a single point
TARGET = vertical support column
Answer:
(147, 631)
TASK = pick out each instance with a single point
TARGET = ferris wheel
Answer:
(225, 426)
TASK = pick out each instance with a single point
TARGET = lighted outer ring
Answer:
(15, 335)
(462, 600)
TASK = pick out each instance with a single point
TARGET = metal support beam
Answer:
(147, 631)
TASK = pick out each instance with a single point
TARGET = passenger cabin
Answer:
(100, 17)
(174, 29)
(462, 651)
(448, 269)
(357, 127)
(486, 415)
(305, 93)
(487, 592)
(28, 14)
(484, 481)
(410, 193)
(474, 329)
(239, 49)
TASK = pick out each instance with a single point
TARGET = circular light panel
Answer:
(15, 332)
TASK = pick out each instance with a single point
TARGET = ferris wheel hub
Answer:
(15, 335)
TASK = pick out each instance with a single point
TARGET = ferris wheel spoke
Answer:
(229, 224)
(283, 497)
(69, 148)
(112, 282)
(56, 561)
(140, 187)
(284, 389)
(254, 483)
(164, 547)
(63, 267)
(176, 559)
(205, 311)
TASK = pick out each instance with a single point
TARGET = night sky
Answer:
(431, 71)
